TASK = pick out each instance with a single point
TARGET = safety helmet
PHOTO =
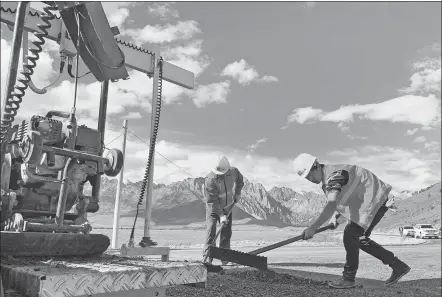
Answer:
(222, 167)
(303, 164)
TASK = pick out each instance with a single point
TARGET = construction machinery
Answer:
(48, 159)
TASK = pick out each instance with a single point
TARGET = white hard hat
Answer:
(303, 163)
(222, 167)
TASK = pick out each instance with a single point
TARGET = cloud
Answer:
(427, 79)
(402, 168)
(182, 30)
(215, 93)
(303, 115)
(411, 132)
(253, 147)
(420, 139)
(163, 10)
(419, 110)
(188, 56)
(133, 115)
(197, 161)
(433, 146)
(117, 12)
(244, 73)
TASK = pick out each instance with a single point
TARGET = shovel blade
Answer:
(245, 259)
(213, 268)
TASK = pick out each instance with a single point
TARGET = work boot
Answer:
(208, 260)
(399, 270)
(342, 283)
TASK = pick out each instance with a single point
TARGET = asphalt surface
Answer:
(326, 262)
(306, 271)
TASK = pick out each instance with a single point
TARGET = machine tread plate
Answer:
(33, 244)
(104, 274)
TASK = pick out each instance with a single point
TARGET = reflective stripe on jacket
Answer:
(219, 189)
(360, 193)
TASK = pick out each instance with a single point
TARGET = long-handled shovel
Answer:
(252, 259)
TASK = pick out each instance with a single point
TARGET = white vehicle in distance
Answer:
(407, 230)
(425, 230)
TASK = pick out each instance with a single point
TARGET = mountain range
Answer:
(182, 203)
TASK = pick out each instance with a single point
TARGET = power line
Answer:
(180, 168)
(113, 140)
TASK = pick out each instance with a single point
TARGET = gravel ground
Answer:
(253, 283)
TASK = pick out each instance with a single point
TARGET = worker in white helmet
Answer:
(362, 198)
(222, 187)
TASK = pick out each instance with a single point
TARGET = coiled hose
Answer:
(14, 99)
(153, 140)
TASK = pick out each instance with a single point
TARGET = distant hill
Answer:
(422, 207)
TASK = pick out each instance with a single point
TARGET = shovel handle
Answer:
(287, 241)
(219, 231)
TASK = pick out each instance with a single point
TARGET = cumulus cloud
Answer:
(188, 56)
(420, 139)
(427, 78)
(195, 161)
(182, 30)
(163, 10)
(215, 93)
(244, 73)
(133, 115)
(419, 110)
(117, 12)
(411, 132)
(253, 147)
(303, 115)
(402, 168)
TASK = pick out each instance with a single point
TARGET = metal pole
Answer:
(101, 127)
(148, 213)
(11, 75)
(102, 111)
(116, 224)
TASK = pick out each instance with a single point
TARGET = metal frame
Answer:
(137, 58)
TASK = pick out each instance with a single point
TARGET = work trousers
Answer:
(355, 238)
(225, 236)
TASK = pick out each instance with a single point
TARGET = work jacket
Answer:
(360, 193)
(220, 189)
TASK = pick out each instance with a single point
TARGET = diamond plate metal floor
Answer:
(106, 274)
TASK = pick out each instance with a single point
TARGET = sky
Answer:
(350, 83)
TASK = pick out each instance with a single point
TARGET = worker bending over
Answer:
(360, 197)
(222, 187)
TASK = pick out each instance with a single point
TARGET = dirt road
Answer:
(301, 265)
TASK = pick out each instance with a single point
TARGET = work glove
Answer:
(223, 219)
(308, 233)
(336, 220)
(236, 197)
(390, 205)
